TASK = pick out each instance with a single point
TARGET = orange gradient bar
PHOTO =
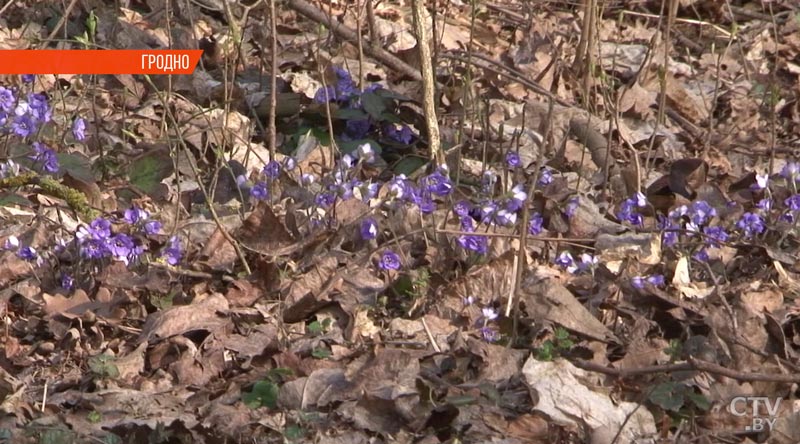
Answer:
(91, 61)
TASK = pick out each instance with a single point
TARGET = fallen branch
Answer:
(342, 31)
(691, 364)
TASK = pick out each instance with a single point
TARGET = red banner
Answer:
(110, 61)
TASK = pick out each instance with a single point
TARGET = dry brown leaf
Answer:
(202, 314)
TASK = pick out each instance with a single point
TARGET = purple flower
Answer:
(750, 224)
(536, 224)
(572, 207)
(46, 157)
(325, 95)
(437, 184)
(173, 252)
(791, 171)
(467, 224)
(461, 208)
(259, 191)
(6, 99)
(517, 199)
(134, 215)
(764, 204)
(505, 217)
(513, 160)
(402, 134)
(486, 210)
(565, 260)
(715, 235)
(368, 191)
(272, 169)
(357, 129)
(67, 281)
(489, 314)
(39, 106)
(307, 179)
(469, 300)
(627, 212)
(289, 163)
(478, 244)
(366, 153)
(637, 282)
(28, 253)
(24, 125)
(545, 177)
(121, 246)
(398, 186)
(94, 248)
(656, 280)
(489, 334)
(700, 212)
(488, 180)
(28, 78)
(587, 262)
(345, 86)
(389, 261)
(701, 255)
(152, 227)
(325, 199)
(369, 229)
(793, 202)
(79, 129)
(99, 229)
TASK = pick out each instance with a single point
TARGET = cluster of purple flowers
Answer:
(96, 241)
(45, 157)
(656, 280)
(489, 315)
(587, 262)
(23, 116)
(25, 252)
(349, 97)
(628, 209)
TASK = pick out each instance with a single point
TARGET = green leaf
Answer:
(77, 165)
(147, 172)
(264, 394)
(389, 94)
(373, 104)
(11, 199)
(461, 400)
(94, 417)
(112, 439)
(279, 374)
(668, 396)
(103, 366)
(350, 114)
(700, 401)
(293, 432)
(321, 353)
(408, 165)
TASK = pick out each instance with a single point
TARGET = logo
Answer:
(762, 410)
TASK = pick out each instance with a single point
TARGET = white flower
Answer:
(12, 243)
(489, 313)
(366, 153)
(761, 181)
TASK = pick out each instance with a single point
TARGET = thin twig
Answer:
(692, 364)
